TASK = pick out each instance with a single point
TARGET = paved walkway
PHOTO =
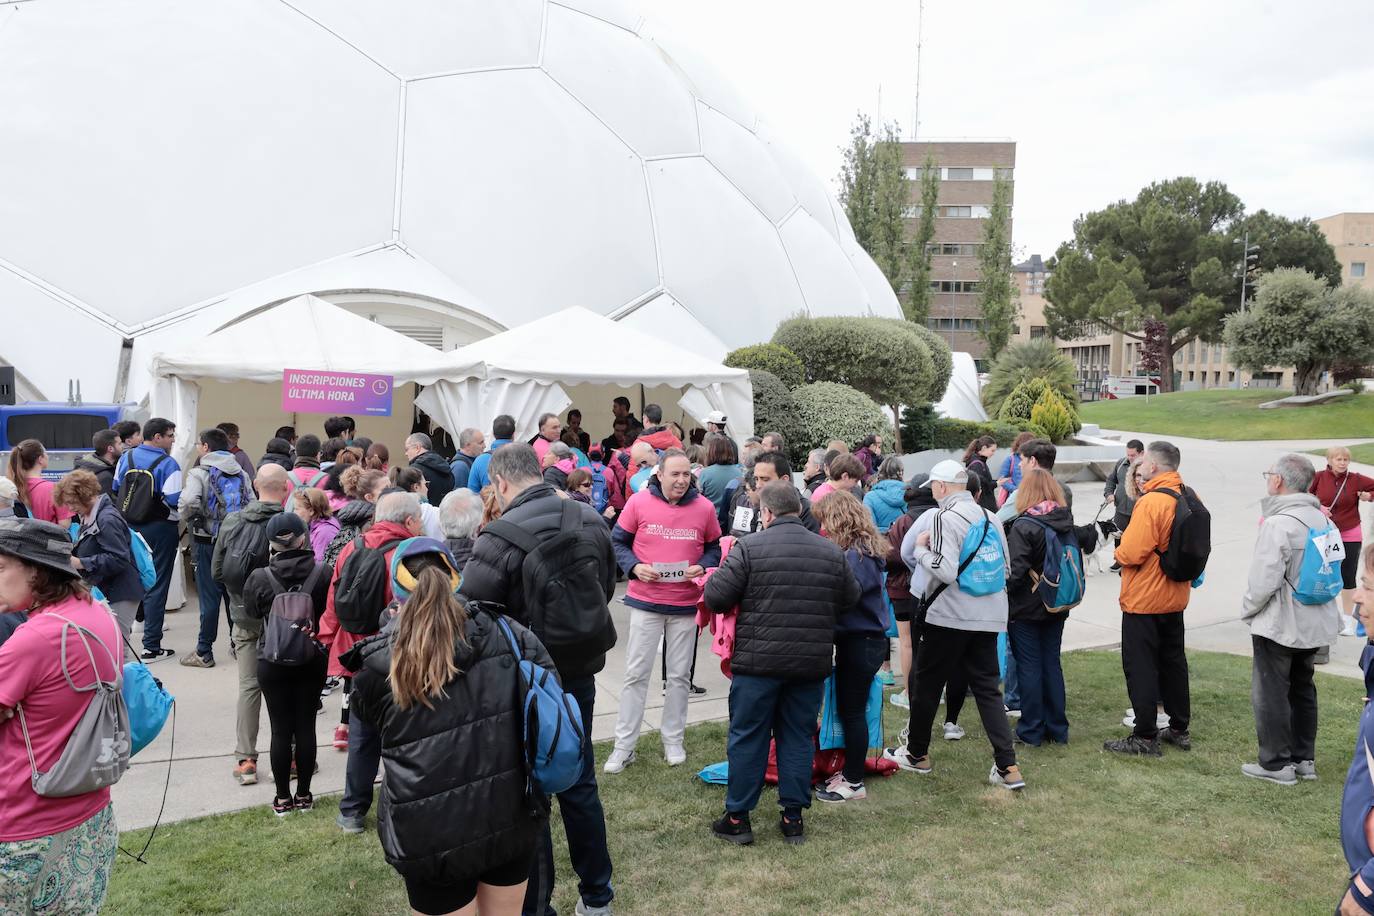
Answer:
(1226, 475)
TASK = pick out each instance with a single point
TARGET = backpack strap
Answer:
(940, 589)
(513, 534)
(571, 519)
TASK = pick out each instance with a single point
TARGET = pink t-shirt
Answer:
(666, 533)
(822, 492)
(31, 673)
(41, 505)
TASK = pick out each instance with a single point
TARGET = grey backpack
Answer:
(97, 751)
(289, 636)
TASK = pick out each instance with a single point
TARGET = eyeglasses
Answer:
(1267, 474)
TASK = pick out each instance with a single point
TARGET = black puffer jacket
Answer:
(461, 548)
(987, 487)
(437, 472)
(789, 586)
(453, 799)
(277, 458)
(494, 572)
(1026, 553)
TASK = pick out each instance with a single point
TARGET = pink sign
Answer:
(324, 391)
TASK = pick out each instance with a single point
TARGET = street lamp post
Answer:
(953, 279)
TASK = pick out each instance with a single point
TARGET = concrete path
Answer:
(1225, 474)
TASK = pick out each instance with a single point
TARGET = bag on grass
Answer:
(832, 732)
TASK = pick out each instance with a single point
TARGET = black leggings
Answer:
(426, 897)
(857, 659)
(292, 693)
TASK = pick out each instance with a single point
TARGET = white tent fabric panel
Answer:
(718, 234)
(571, 225)
(631, 88)
(420, 37)
(665, 318)
(149, 168)
(622, 13)
(738, 154)
(827, 279)
(48, 343)
(961, 400)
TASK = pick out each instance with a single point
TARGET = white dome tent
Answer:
(450, 168)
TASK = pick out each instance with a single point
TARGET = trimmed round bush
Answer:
(769, 357)
(827, 410)
(774, 405)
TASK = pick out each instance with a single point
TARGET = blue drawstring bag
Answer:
(149, 705)
(717, 774)
(891, 612)
(832, 732)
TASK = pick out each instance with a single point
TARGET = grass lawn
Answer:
(1362, 454)
(1091, 833)
(1234, 414)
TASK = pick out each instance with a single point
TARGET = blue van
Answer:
(65, 429)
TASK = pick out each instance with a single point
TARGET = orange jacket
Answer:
(1144, 587)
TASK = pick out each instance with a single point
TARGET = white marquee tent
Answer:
(578, 358)
(304, 333)
(961, 400)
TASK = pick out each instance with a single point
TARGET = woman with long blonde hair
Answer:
(861, 643)
(441, 691)
(1035, 629)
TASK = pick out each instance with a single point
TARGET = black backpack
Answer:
(288, 637)
(245, 550)
(360, 594)
(1190, 540)
(139, 500)
(563, 586)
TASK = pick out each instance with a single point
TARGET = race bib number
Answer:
(744, 519)
(671, 572)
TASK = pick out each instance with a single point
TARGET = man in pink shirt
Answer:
(550, 431)
(664, 539)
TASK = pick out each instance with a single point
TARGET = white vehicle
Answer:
(1128, 386)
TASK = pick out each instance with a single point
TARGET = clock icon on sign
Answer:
(379, 386)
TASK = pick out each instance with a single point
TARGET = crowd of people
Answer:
(405, 589)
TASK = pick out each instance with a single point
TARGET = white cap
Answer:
(717, 417)
(949, 471)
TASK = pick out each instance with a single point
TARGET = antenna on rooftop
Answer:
(920, 33)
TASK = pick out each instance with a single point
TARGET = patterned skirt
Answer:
(66, 873)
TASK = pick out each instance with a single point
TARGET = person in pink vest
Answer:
(666, 537)
(550, 431)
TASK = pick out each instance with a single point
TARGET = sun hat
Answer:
(402, 581)
(949, 471)
(38, 542)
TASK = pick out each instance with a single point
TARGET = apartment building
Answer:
(1352, 236)
(967, 172)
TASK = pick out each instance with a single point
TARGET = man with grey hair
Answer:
(558, 463)
(550, 431)
(434, 468)
(1286, 629)
(506, 557)
(460, 515)
(814, 474)
(358, 594)
(471, 443)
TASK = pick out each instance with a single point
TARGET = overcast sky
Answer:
(1274, 98)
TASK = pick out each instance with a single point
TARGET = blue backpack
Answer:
(224, 494)
(553, 734)
(601, 493)
(1319, 577)
(142, 553)
(1060, 582)
(982, 562)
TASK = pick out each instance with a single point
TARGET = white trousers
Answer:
(647, 628)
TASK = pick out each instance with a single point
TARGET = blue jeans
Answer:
(162, 540)
(1011, 678)
(211, 596)
(1035, 646)
(364, 757)
(763, 708)
(584, 822)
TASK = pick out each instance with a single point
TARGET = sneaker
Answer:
(247, 772)
(341, 737)
(1178, 739)
(619, 760)
(675, 756)
(194, 660)
(793, 830)
(839, 789)
(899, 756)
(734, 828)
(900, 700)
(1009, 779)
(1284, 776)
(886, 679)
(586, 909)
(953, 732)
(156, 655)
(1348, 625)
(1161, 720)
(695, 691)
(331, 684)
(281, 807)
(305, 802)
(1134, 744)
(1012, 713)
(349, 823)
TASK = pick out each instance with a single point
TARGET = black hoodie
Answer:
(1026, 553)
(291, 568)
(437, 473)
(102, 469)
